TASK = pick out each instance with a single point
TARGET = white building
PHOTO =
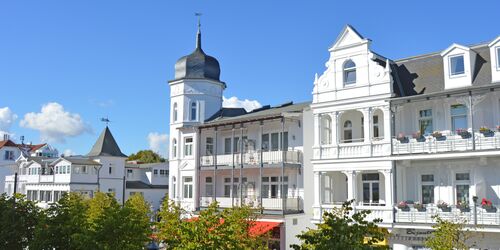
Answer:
(44, 179)
(408, 131)
(232, 156)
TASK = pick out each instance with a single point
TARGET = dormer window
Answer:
(457, 66)
(349, 72)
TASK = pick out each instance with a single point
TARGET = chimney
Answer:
(5, 137)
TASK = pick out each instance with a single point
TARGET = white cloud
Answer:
(69, 152)
(7, 118)
(54, 123)
(234, 102)
(158, 143)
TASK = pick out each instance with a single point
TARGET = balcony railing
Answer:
(352, 150)
(428, 213)
(377, 212)
(253, 158)
(293, 204)
(450, 143)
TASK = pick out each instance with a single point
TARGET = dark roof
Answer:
(80, 161)
(106, 146)
(142, 185)
(261, 113)
(197, 65)
(425, 74)
(227, 112)
(7, 143)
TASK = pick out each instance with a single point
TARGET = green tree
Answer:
(449, 234)
(214, 228)
(18, 221)
(343, 229)
(146, 156)
(136, 222)
(65, 226)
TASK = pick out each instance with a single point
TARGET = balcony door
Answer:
(371, 189)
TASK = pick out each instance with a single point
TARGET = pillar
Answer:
(367, 117)
(351, 184)
(389, 201)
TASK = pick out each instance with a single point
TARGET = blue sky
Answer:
(114, 58)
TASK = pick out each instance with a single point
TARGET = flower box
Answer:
(402, 138)
(439, 136)
(464, 133)
(403, 206)
(444, 206)
(487, 205)
(419, 137)
(419, 207)
(463, 207)
(486, 132)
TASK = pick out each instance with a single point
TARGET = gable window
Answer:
(174, 148)
(349, 72)
(188, 146)
(427, 188)
(457, 66)
(458, 117)
(326, 132)
(425, 122)
(175, 112)
(209, 146)
(347, 131)
(194, 111)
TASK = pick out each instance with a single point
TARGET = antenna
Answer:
(22, 139)
(106, 120)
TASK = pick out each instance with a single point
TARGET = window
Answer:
(265, 142)
(9, 155)
(458, 117)
(209, 187)
(188, 188)
(237, 146)
(174, 148)
(462, 185)
(227, 187)
(371, 188)
(130, 172)
(425, 122)
(275, 142)
(155, 171)
(110, 170)
(84, 170)
(284, 141)
(227, 146)
(163, 172)
(349, 72)
(57, 196)
(498, 57)
(174, 185)
(376, 132)
(427, 188)
(347, 131)
(271, 187)
(174, 111)
(457, 65)
(194, 112)
(326, 131)
(209, 146)
(188, 146)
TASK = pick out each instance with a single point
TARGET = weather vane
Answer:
(106, 120)
(198, 14)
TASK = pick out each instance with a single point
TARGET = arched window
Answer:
(347, 131)
(174, 185)
(194, 108)
(175, 112)
(349, 72)
(326, 130)
(174, 148)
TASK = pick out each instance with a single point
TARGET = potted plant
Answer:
(463, 206)
(444, 206)
(464, 133)
(486, 132)
(402, 138)
(488, 206)
(439, 136)
(403, 206)
(419, 206)
(418, 136)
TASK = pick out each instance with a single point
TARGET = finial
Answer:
(198, 35)
(105, 120)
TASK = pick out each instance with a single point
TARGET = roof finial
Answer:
(198, 35)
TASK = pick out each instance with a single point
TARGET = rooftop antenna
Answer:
(22, 139)
(106, 120)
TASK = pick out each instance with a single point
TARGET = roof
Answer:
(106, 146)
(424, 74)
(7, 143)
(35, 147)
(145, 165)
(258, 114)
(78, 161)
(142, 185)
(227, 112)
(41, 159)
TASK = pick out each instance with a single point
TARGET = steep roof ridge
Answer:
(106, 146)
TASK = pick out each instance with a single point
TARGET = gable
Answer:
(349, 36)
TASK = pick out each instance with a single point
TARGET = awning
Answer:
(262, 227)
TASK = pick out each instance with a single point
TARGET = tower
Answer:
(195, 95)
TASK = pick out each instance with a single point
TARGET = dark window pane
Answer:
(457, 65)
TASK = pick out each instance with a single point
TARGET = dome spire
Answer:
(198, 34)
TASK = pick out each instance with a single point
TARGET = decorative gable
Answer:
(495, 59)
(458, 65)
(347, 38)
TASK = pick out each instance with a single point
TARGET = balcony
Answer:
(445, 143)
(353, 150)
(254, 158)
(377, 212)
(427, 213)
(46, 178)
(269, 205)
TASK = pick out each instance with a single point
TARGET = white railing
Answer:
(46, 178)
(376, 212)
(254, 158)
(352, 150)
(292, 204)
(427, 214)
(451, 143)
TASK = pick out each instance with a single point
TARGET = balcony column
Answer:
(334, 116)
(351, 184)
(471, 112)
(215, 165)
(387, 123)
(317, 189)
(367, 121)
(389, 201)
(241, 165)
(317, 127)
(231, 194)
(261, 164)
(283, 158)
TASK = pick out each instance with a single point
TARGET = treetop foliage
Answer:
(146, 156)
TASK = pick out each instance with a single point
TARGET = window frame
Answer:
(187, 191)
(209, 146)
(174, 148)
(347, 129)
(497, 53)
(326, 130)
(427, 183)
(464, 182)
(450, 65)
(346, 70)
(453, 116)
(422, 119)
(188, 146)
(371, 186)
(174, 111)
(193, 111)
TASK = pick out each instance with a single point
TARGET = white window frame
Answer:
(188, 146)
(174, 148)
(497, 53)
(174, 111)
(209, 186)
(347, 70)
(461, 183)
(326, 130)
(425, 118)
(370, 184)
(187, 191)
(193, 111)
(428, 183)
(209, 146)
(454, 116)
(449, 65)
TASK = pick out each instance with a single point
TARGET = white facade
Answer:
(149, 180)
